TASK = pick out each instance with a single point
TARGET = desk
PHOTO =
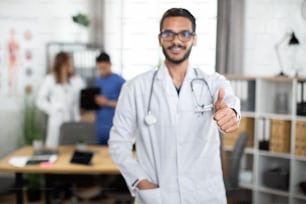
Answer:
(101, 164)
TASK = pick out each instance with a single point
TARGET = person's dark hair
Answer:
(60, 60)
(103, 57)
(178, 12)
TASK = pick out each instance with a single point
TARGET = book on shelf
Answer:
(245, 91)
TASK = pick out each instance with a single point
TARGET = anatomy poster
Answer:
(17, 62)
(13, 62)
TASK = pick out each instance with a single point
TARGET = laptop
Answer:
(37, 159)
(42, 155)
(45, 151)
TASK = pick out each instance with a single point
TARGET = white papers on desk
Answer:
(22, 161)
(18, 161)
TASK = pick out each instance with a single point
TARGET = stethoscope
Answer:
(200, 108)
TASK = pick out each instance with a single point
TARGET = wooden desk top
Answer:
(101, 162)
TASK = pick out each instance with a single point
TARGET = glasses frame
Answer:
(180, 35)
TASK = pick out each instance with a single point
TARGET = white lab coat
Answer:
(181, 151)
(60, 103)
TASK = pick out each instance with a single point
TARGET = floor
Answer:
(118, 191)
(10, 199)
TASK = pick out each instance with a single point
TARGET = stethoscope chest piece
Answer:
(150, 119)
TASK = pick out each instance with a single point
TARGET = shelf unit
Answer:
(269, 113)
(83, 57)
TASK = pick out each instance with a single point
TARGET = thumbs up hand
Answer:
(224, 115)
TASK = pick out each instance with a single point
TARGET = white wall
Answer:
(267, 21)
(137, 50)
(132, 27)
(48, 21)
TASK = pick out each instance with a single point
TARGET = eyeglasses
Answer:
(183, 35)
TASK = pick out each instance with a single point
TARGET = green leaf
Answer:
(32, 121)
(81, 19)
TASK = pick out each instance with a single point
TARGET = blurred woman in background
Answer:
(58, 97)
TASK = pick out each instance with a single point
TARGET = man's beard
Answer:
(178, 61)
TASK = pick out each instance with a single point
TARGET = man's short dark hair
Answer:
(103, 57)
(178, 12)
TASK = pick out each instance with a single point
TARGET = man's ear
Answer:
(159, 41)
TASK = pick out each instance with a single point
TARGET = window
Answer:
(132, 27)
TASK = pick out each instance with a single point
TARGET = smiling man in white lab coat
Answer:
(175, 115)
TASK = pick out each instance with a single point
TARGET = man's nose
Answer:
(176, 38)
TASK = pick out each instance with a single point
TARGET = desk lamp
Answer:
(293, 41)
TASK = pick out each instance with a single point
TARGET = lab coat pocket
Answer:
(150, 196)
(211, 191)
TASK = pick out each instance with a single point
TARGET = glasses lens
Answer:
(183, 36)
(167, 35)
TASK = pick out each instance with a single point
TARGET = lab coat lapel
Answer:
(170, 93)
(184, 100)
(176, 103)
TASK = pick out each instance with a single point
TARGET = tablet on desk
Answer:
(82, 157)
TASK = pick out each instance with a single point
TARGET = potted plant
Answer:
(33, 129)
(81, 19)
(32, 121)
(81, 144)
(34, 186)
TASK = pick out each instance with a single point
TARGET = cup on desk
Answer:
(37, 145)
(81, 146)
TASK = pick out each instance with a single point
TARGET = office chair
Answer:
(232, 182)
(74, 132)
(7, 185)
(86, 187)
(83, 187)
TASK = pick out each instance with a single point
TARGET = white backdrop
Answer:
(267, 21)
(44, 21)
(132, 27)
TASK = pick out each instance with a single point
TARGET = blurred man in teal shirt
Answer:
(110, 86)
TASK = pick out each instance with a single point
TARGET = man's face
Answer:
(104, 68)
(177, 50)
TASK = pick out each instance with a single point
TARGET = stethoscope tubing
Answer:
(151, 91)
(191, 85)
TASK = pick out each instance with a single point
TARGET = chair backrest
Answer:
(235, 159)
(7, 184)
(74, 132)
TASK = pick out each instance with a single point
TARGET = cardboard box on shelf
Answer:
(280, 136)
(246, 125)
(300, 139)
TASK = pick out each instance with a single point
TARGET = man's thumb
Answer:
(220, 100)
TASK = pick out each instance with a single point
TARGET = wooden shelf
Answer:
(273, 191)
(274, 154)
(264, 96)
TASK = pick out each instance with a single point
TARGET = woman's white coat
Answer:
(61, 103)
